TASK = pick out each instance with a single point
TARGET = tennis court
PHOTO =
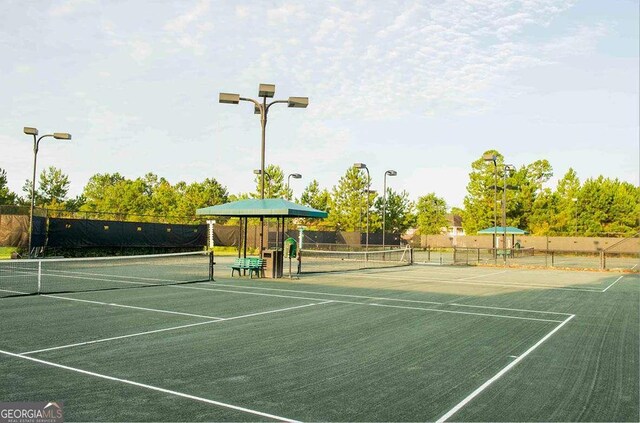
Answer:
(410, 343)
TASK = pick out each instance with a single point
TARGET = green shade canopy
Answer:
(501, 230)
(268, 207)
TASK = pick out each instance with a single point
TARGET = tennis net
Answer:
(313, 261)
(45, 276)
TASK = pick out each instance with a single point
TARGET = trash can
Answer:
(272, 263)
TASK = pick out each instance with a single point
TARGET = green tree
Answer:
(399, 214)
(543, 213)
(523, 186)
(98, 189)
(316, 198)
(6, 196)
(607, 206)
(564, 220)
(313, 196)
(431, 212)
(349, 203)
(52, 189)
(479, 202)
(275, 184)
(198, 195)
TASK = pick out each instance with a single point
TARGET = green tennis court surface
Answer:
(413, 343)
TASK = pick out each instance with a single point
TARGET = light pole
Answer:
(265, 91)
(488, 157)
(364, 166)
(36, 145)
(507, 168)
(294, 176)
(384, 202)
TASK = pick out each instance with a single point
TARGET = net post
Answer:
(211, 264)
(39, 276)
(410, 255)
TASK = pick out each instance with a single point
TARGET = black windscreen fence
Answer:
(77, 233)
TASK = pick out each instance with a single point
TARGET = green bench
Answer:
(252, 264)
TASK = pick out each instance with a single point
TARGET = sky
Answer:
(421, 87)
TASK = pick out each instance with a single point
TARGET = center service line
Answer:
(150, 387)
(477, 392)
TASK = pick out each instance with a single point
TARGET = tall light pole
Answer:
(36, 145)
(507, 168)
(488, 157)
(384, 202)
(294, 176)
(364, 166)
(262, 108)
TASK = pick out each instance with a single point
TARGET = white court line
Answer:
(383, 298)
(509, 309)
(498, 375)
(482, 276)
(132, 307)
(151, 387)
(95, 341)
(372, 304)
(131, 335)
(14, 292)
(462, 312)
(62, 273)
(321, 293)
(458, 281)
(614, 282)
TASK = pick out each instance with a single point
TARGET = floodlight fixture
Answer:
(298, 102)
(61, 136)
(360, 165)
(30, 131)
(294, 176)
(228, 98)
(266, 90)
(489, 157)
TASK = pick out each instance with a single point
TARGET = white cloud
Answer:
(182, 22)
(68, 7)
(188, 30)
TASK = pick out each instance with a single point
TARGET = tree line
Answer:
(495, 191)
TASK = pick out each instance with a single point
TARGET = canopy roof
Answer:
(501, 230)
(268, 207)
